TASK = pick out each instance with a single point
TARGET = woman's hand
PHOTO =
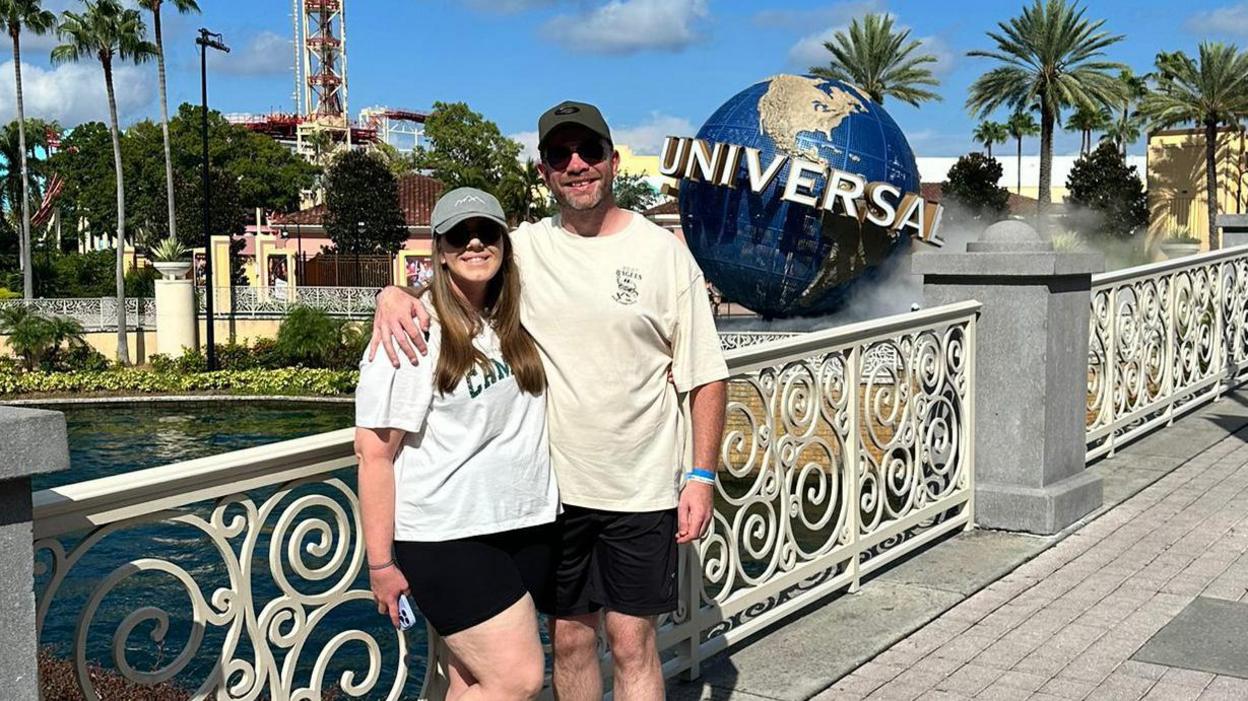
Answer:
(387, 584)
(393, 324)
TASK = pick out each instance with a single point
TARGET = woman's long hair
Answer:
(461, 323)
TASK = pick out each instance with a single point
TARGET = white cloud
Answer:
(74, 93)
(646, 138)
(528, 144)
(630, 26)
(1230, 19)
(265, 53)
(939, 48)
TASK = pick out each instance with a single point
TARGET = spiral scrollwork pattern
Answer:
(1163, 339)
(833, 463)
(271, 573)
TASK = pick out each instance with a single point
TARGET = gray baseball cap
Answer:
(465, 203)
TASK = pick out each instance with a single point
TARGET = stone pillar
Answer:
(1234, 229)
(31, 442)
(175, 313)
(1032, 373)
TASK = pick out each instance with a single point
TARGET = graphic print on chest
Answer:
(626, 281)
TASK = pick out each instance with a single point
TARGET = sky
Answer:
(654, 67)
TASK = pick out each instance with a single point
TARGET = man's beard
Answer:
(565, 200)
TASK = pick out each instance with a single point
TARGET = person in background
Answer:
(456, 489)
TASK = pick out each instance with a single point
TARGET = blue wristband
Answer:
(703, 474)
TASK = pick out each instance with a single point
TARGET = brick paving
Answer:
(1064, 625)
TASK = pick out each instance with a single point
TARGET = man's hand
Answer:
(387, 584)
(693, 514)
(392, 323)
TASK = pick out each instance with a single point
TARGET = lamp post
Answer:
(207, 40)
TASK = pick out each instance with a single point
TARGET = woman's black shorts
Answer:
(459, 583)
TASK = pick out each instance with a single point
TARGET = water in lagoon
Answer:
(115, 439)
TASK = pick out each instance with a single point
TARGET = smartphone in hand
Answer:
(407, 615)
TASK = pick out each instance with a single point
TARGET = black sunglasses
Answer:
(592, 151)
(460, 235)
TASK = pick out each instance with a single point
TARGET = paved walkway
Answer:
(1065, 624)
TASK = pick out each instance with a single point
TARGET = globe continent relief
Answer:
(781, 258)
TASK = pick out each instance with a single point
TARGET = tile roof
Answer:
(417, 195)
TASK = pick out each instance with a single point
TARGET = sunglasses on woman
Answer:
(461, 235)
(592, 151)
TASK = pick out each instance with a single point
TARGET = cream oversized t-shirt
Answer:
(610, 316)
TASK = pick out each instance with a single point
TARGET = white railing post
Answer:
(1111, 366)
(852, 462)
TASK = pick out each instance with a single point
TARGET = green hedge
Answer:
(284, 381)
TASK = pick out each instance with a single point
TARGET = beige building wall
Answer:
(141, 344)
(1176, 181)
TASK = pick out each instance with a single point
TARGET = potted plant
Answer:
(172, 259)
(1180, 243)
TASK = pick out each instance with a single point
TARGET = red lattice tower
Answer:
(325, 60)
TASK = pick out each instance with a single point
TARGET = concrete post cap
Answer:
(32, 441)
(1007, 236)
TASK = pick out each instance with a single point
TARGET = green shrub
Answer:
(234, 356)
(78, 356)
(34, 336)
(191, 360)
(6, 293)
(161, 363)
(283, 382)
(309, 337)
(266, 354)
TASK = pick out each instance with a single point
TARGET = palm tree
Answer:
(183, 7)
(1021, 124)
(1208, 92)
(989, 133)
(107, 31)
(28, 15)
(1085, 120)
(1126, 130)
(1050, 56)
(878, 60)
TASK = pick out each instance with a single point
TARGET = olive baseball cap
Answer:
(465, 203)
(581, 114)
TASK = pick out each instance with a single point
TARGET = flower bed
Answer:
(277, 382)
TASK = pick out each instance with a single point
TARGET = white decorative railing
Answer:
(273, 302)
(1164, 339)
(94, 313)
(732, 340)
(828, 472)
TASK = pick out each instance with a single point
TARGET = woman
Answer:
(455, 483)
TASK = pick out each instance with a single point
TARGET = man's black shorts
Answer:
(620, 561)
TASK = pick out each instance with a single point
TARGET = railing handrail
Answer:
(804, 345)
(1166, 266)
(95, 502)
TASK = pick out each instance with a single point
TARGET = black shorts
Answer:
(624, 562)
(459, 583)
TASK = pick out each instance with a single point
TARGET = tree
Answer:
(1019, 125)
(1126, 128)
(465, 149)
(108, 31)
(1104, 185)
(28, 15)
(989, 133)
(1086, 120)
(971, 191)
(522, 193)
(633, 192)
(1209, 91)
(1051, 57)
(183, 7)
(362, 212)
(12, 148)
(879, 60)
(227, 216)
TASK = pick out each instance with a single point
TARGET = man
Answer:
(618, 308)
